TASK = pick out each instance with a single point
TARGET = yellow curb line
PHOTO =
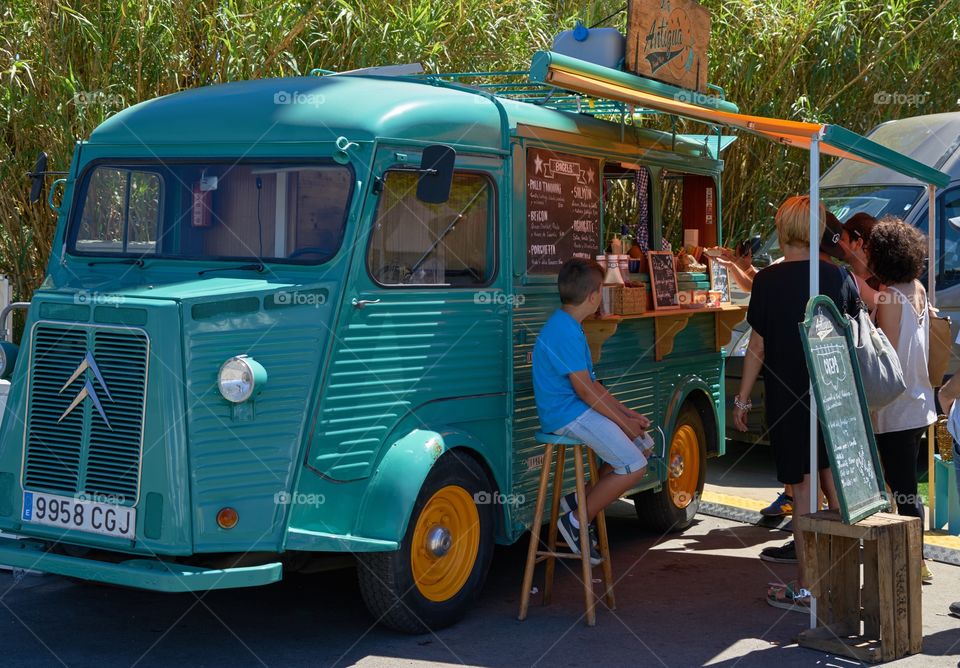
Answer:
(937, 538)
(735, 501)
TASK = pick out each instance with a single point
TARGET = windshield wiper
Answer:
(255, 266)
(127, 260)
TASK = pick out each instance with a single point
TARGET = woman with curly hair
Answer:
(897, 255)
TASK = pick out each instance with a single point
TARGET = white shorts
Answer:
(604, 437)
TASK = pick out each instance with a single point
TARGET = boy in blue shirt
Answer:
(571, 402)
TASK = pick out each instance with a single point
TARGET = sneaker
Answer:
(782, 506)
(572, 536)
(955, 609)
(568, 503)
(785, 554)
(926, 577)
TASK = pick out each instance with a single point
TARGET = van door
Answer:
(421, 339)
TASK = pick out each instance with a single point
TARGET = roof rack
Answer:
(516, 85)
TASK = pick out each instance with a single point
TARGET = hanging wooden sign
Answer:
(667, 40)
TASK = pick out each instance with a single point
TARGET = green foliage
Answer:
(67, 65)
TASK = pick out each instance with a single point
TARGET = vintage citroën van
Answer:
(295, 316)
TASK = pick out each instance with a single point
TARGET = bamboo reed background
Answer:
(66, 66)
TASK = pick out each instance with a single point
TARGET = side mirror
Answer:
(436, 174)
(37, 176)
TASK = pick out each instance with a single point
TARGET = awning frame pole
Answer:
(814, 290)
(932, 297)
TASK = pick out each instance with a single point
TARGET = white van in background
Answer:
(849, 187)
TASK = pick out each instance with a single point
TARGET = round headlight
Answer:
(8, 358)
(240, 378)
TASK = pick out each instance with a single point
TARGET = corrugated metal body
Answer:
(396, 355)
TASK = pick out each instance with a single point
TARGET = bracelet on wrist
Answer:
(744, 406)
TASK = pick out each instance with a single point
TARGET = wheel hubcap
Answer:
(676, 466)
(684, 466)
(446, 542)
(439, 541)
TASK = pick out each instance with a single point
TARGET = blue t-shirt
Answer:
(561, 349)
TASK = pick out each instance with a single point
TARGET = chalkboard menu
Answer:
(663, 280)
(843, 413)
(719, 279)
(563, 209)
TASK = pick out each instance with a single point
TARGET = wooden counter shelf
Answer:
(667, 324)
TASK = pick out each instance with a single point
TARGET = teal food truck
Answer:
(294, 317)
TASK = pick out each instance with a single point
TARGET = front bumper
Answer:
(139, 573)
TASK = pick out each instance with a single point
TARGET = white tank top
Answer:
(915, 407)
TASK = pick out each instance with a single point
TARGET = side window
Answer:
(449, 244)
(121, 212)
(948, 231)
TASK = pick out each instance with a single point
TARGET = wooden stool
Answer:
(550, 555)
(888, 605)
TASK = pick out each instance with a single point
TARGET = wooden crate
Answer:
(629, 301)
(882, 620)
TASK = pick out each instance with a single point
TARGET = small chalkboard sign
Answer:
(663, 280)
(842, 411)
(719, 279)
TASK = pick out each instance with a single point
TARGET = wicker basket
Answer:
(629, 301)
(944, 439)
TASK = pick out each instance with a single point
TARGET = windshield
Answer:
(276, 212)
(878, 201)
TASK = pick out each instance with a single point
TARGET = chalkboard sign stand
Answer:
(842, 411)
(719, 279)
(663, 280)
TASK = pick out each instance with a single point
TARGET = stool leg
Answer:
(584, 538)
(607, 567)
(552, 528)
(535, 532)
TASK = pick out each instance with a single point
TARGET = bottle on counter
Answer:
(623, 260)
(613, 275)
(616, 245)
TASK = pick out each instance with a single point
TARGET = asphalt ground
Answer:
(691, 599)
(743, 481)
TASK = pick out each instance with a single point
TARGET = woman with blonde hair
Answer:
(777, 306)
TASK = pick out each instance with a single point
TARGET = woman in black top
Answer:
(777, 306)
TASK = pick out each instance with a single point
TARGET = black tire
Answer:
(387, 582)
(666, 510)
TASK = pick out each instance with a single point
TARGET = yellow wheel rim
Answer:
(683, 474)
(446, 540)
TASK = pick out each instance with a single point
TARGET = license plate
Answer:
(107, 519)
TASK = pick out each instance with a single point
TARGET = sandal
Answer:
(789, 597)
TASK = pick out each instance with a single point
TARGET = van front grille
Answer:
(85, 409)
